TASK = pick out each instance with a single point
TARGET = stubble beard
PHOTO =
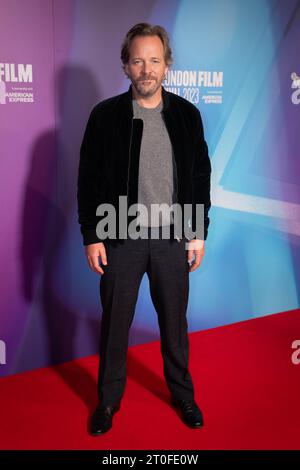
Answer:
(147, 90)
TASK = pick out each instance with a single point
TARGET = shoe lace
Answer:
(188, 406)
(106, 410)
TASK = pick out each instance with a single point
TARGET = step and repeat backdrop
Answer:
(239, 63)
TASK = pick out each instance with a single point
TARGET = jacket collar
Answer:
(128, 100)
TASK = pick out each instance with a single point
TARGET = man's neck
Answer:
(149, 101)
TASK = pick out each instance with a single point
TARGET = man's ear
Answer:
(125, 69)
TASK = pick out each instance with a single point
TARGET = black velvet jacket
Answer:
(109, 158)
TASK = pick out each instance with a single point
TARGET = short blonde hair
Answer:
(146, 29)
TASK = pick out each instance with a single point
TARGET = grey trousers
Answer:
(165, 262)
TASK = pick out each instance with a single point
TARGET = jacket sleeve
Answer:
(87, 181)
(201, 175)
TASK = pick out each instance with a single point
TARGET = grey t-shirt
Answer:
(157, 182)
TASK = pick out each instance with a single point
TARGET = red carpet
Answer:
(246, 385)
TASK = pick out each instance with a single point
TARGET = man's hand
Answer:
(93, 252)
(195, 248)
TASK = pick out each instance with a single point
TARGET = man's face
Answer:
(146, 67)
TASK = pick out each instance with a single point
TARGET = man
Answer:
(146, 144)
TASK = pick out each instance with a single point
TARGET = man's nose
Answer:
(147, 68)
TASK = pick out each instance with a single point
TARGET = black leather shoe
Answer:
(101, 420)
(190, 411)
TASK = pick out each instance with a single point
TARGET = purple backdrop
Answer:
(50, 305)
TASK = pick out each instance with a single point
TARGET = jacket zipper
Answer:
(129, 159)
(175, 167)
(176, 187)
